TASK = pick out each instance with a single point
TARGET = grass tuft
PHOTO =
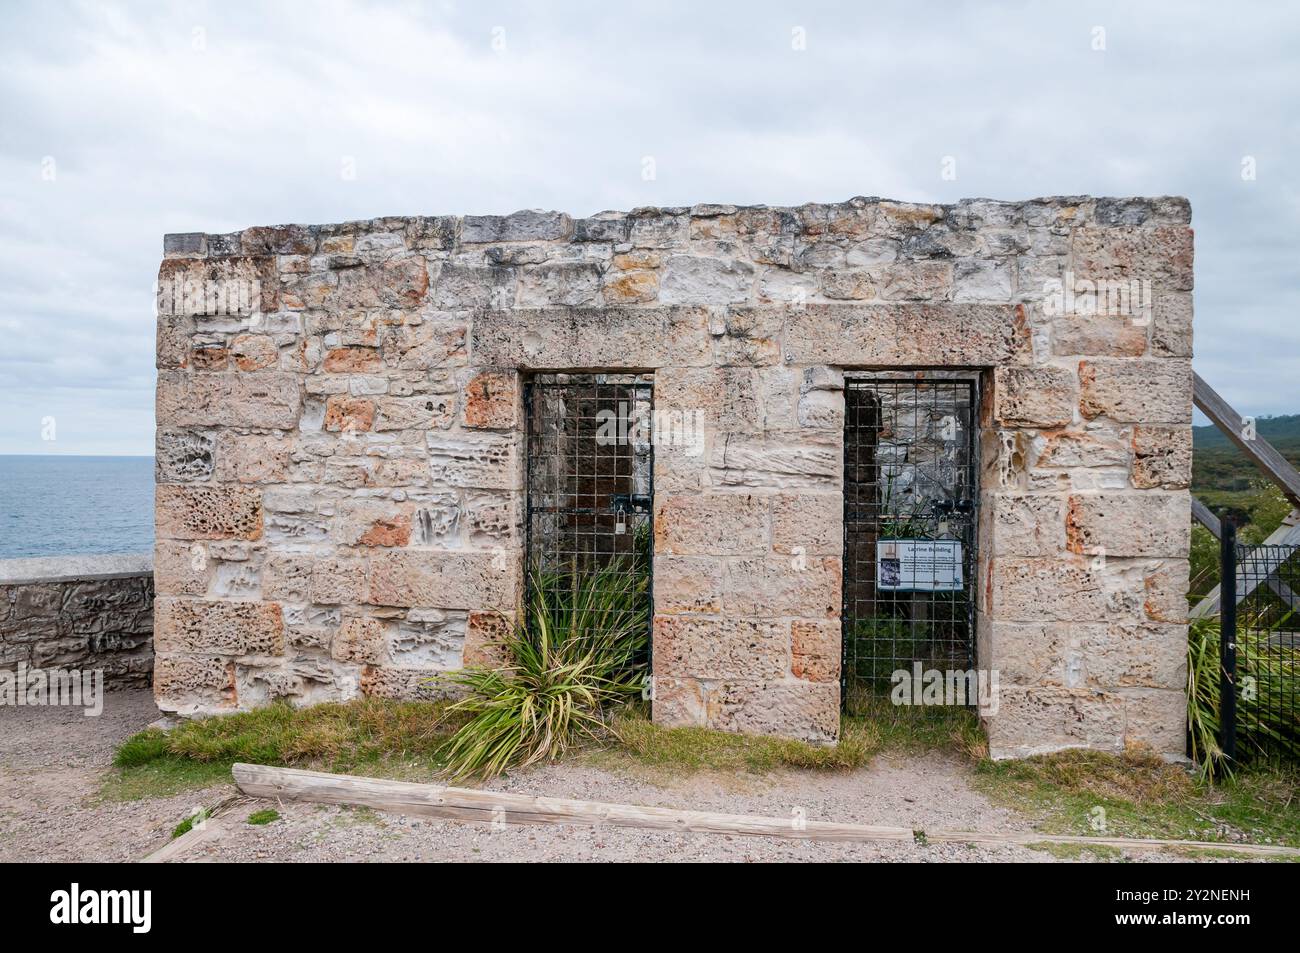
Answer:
(1140, 795)
(265, 816)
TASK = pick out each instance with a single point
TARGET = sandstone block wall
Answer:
(340, 447)
(82, 613)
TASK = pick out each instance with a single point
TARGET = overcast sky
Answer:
(119, 122)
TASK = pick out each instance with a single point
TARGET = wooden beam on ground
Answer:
(1262, 453)
(469, 804)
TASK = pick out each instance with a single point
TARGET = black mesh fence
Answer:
(1267, 652)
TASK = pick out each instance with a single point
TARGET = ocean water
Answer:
(66, 505)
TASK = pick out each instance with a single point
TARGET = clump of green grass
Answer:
(378, 735)
(187, 825)
(265, 816)
(917, 728)
(1143, 796)
(574, 661)
(697, 749)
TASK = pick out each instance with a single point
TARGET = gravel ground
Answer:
(52, 762)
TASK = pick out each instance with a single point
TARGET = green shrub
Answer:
(1264, 717)
(578, 656)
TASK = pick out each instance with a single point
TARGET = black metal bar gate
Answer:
(910, 498)
(589, 479)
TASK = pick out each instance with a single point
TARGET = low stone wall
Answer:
(79, 612)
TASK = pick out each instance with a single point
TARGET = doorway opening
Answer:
(911, 493)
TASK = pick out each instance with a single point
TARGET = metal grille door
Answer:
(910, 467)
(589, 479)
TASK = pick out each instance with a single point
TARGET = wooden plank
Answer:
(1202, 514)
(469, 804)
(180, 845)
(1262, 453)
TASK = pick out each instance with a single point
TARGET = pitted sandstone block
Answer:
(193, 511)
(1130, 524)
(221, 628)
(1137, 391)
(720, 524)
(721, 648)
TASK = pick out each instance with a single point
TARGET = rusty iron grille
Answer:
(910, 497)
(590, 459)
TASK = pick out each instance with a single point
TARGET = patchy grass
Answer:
(1139, 795)
(699, 749)
(263, 817)
(374, 736)
(402, 740)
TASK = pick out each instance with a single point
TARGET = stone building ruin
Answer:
(352, 465)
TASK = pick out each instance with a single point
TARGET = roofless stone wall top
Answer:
(340, 446)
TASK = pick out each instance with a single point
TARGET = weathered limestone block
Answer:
(687, 584)
(190, 683)
(1165, 587)
(1171, 326)
(337, 581)
(485, 635)
(783, 586)
(1025, 524)
(750, 337)
(720, 647)
(807, 523)
(443, 579)
(268, 399)
(613, 338)
(1095, 655)
(191, 511)
(711, 398)
(692, 280)
(491, 400)
(347, 414)
(1162, 457)
(1137, 391)
(815, 650)
(427, 412)
(360, 640)
(405, 684)
(797, 709)
(532, 225)
(486, 461)
(1034, 396)
(1156, 718)
(1040, 719)
(220, 628)
(1100, 335)
(719, 524)
(1047, 588)
(1161, 255)
(1130, 524)
(778, 462)
(181, 568)
(252, 458)
(907, 334)
(227, 286)
(571, 283)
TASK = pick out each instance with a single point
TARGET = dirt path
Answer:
(53, 761)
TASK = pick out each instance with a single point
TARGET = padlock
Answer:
(620, 524)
